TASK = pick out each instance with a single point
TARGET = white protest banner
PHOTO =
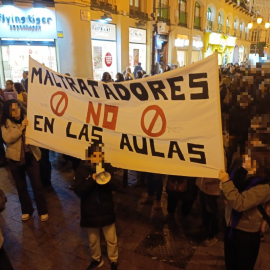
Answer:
(168, 123)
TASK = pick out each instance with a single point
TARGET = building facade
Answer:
(88, 37)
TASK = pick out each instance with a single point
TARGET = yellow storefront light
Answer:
(250, 25)
(267, 25)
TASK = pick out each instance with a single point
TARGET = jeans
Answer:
(173, 198)
(111, 239)
(242, 250)
(31, 167)
(154, 183)
(210, 214)
(5, 263)
(45, 168)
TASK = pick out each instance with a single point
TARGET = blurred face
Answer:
(96, 157)
(15, 111)
(9, 86)
(249, 165)
(107, 76)
(117, 77)
(14, 88)
(24, 75)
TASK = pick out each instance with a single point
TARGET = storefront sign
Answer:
(103, 31)
(181, 42)
(162, 37)
(24, 22)
(175, 130)
(108, 59)
(197, 44)
(137, 35)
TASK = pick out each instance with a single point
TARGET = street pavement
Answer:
(147, 239)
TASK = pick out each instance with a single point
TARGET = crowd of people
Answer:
(243, 185)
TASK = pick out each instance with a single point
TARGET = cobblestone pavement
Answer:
(60, 243)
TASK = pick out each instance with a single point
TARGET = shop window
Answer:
(135, 4)
(209, 21)
(182, 6)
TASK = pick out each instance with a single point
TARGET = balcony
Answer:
(227, 30)
(220, 28)
(197, 23)
(241, 5)
(209, 25)
(183, 19)
(234, 32)
(136, 14)
(163, 13)
(103, 5)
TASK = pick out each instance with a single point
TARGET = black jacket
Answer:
(97, 208)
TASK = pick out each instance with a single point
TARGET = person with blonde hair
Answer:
(128, 70)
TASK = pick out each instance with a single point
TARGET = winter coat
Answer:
(136, 69)
(97, 207)
(12, 135)
(246, 202)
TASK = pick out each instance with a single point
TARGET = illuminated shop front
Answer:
(137, 47)
(103, 49)
(26, 32)
(224, 45)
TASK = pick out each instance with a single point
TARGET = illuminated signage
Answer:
(27, 22)
(103, 31)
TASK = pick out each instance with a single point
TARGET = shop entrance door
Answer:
(15, 58)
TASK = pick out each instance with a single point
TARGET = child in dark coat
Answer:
(94, 185)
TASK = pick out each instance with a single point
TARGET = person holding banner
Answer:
(94, 184)
(22, 158)
(245, 189)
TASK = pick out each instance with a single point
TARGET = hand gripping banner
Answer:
(169, 123)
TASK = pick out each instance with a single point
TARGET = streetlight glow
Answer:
(267, 25)
(259, 20)
(250, 25)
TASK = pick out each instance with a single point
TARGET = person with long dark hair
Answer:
(22, 96)
(106, 77)
(119, 77)
(9, 86)
(22, 158)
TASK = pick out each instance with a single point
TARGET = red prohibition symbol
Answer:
(159, 112)
(58, 102)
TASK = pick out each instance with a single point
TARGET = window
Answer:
(163, 9)
(241, 30)
(135, 4)
(197, 16)
(227, 22)
(182, 5)
(234, 24)
(219, 18)
(209, 14)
